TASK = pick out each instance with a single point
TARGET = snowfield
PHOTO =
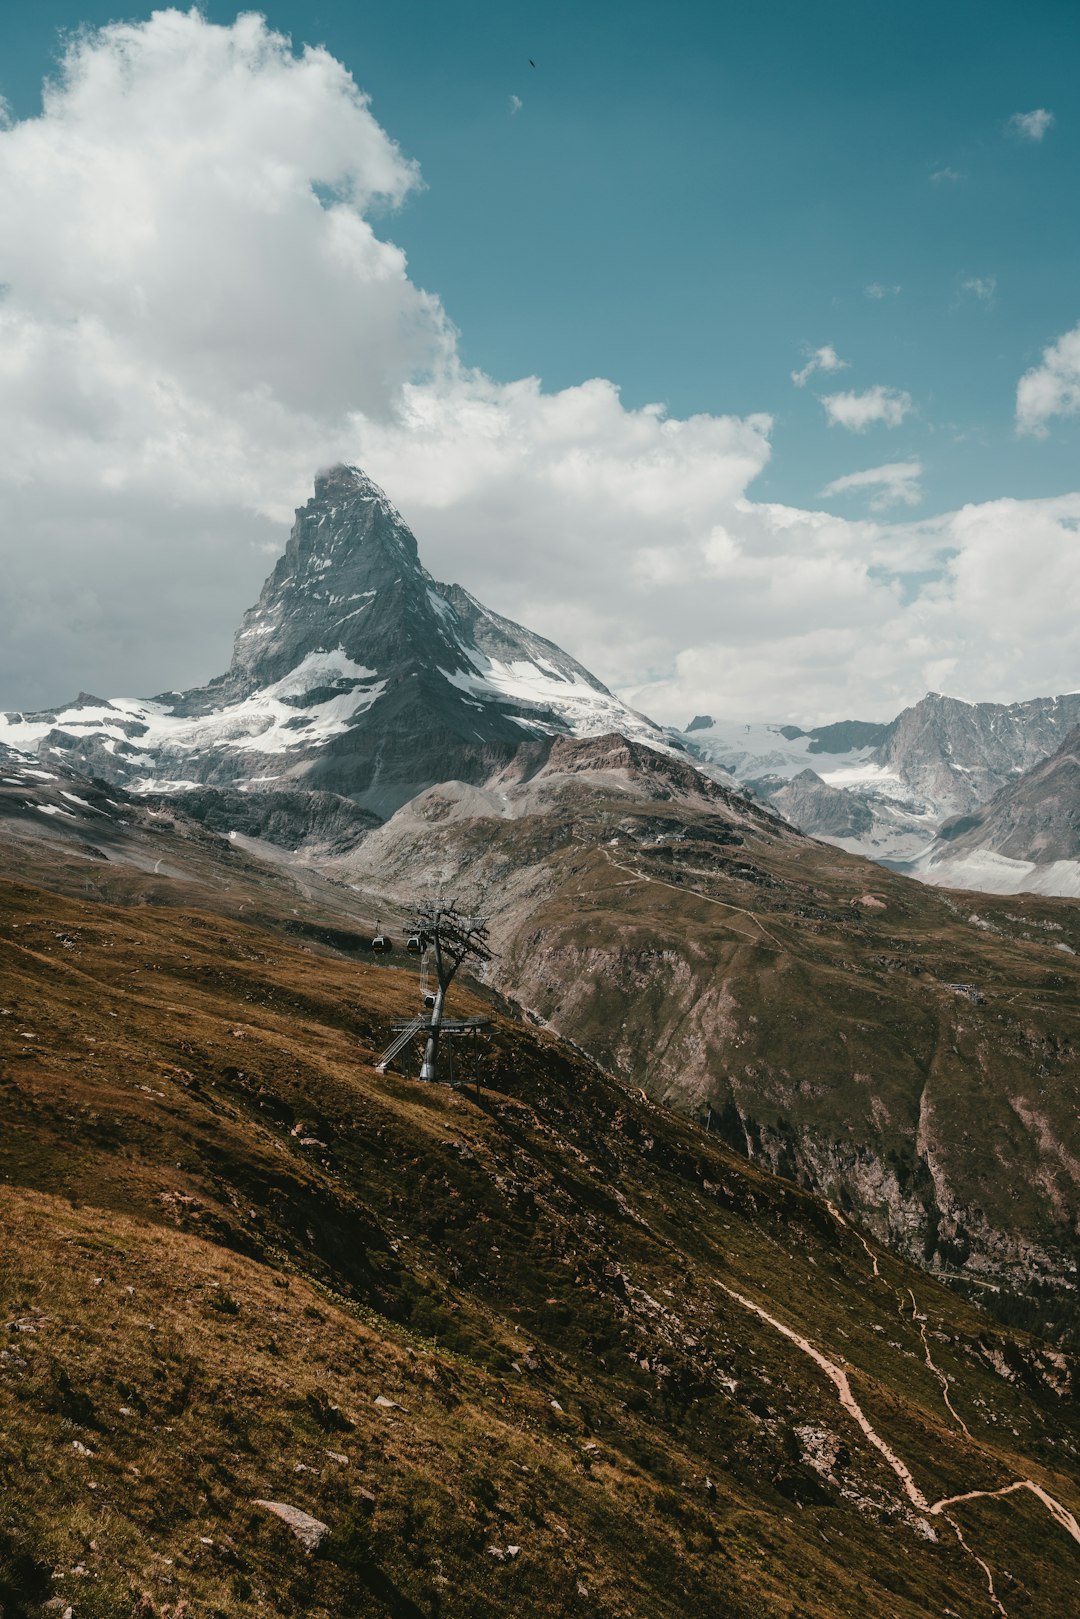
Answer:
(273, 720)
(584, 709)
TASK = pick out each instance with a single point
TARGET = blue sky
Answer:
(691, 195)
(830, 241)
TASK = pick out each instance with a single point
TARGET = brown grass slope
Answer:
(225, 1236)
(914, 1055)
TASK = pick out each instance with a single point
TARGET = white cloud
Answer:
(201, 313)
(182, 179)
(826, 615)
(946, 176)
(858, 411)
(878, 289)
(1031, 126)
(516, 105)
(822, 359)
(1051, 388)
(196, 306)
(896, 483)
(983, 288)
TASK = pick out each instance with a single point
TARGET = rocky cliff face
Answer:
(960, 754)
(1037, 818)
(1027, 838)
(827, 812)
(355, 674)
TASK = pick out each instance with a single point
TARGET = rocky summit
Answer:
(355, 674)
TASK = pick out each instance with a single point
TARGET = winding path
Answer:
(705, 899)
(920, 1322)
(839, 1378)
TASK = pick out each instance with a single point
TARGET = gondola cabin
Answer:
(415, 945)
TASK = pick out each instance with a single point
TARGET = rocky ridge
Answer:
(1026, 838)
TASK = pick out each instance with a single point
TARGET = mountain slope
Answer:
(959, 754)
(620, 1372)
(911, 1059)
(1027, 838)
(355, 674)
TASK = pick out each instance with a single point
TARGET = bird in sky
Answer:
(531, 62)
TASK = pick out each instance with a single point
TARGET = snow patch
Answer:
(537, 684)
(991, 873)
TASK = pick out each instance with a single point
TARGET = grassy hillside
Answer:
(606, 1340)
(911, 1053)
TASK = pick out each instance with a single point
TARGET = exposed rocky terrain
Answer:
(1026, 838)
(286, 1335)
(810, 803)
(960, 754)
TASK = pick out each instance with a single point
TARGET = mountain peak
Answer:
(350, 481)
(348, 549)
(355, 673)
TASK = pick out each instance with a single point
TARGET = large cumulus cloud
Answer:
(203, 304)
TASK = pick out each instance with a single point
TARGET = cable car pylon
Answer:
(444, 938)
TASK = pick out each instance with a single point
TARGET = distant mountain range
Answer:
(886, 791)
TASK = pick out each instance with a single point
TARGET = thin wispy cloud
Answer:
(858, 411)
(516, 105)
(878, 289)
(945, 176)
(895, 484)
(983, 288)
(1031, 126)
(822, 359)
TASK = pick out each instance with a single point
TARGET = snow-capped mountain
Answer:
(884, 790)
(828, 781)
(960, 754)
(1025, 840)
(356, 673)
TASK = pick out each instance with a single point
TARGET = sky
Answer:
(736, 348)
